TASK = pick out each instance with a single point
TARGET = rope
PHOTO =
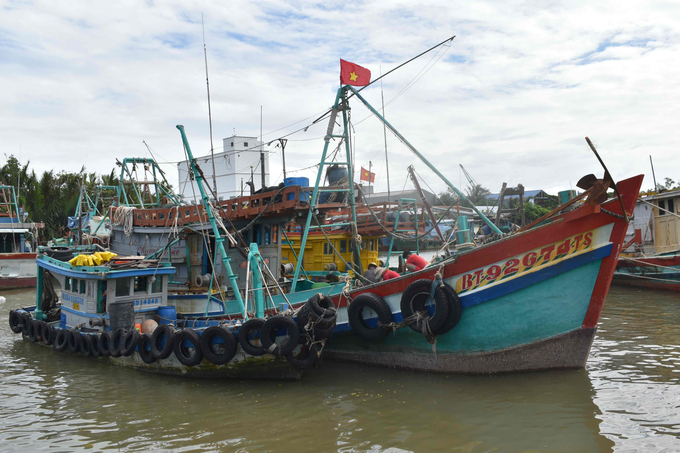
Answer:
(649, 264)
(124, 215)
(613, 214)
(623, 274)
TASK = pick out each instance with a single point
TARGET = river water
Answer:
(627, 399)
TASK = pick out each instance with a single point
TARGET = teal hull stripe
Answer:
(530, 279)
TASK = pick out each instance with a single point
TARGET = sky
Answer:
(511, 98)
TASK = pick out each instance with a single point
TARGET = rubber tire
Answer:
(305, 315)
(61, 340)
(268, 335)
(305, 361)
(35, 331)
(455, 311)
(321, 305)
(246, 328)
(356, 320)
(47, 334)
(74, 341)
(168, 332)
(96, 350)
(230, 344)
(144, 354)
(186, 358)
(86, 345)
(323, 333)
(105, 344)
(416, 291)
(27, 320)
(59, 253)
(16, 321)
(116, 344)
(129, 342)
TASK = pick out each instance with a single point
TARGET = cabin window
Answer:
(82, 287)
(122, 287)
(67, 284)
(671, 206)
(141, 284)
(327, 249)
(371, 245)
(157, 285)
(267, 234)
(74, 285)
(343, 246)
(162, 216)
(662, 207)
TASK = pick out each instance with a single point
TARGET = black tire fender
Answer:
(86, 345)
(305, 356)
(230, 344)
(162, 341)
(358, 323)
(128, 343)
(35, 331)
(27, 321)
(186, 356)
(116, 343)
(245, 331)
(321, 305)
(413, 300)
(47, 334)
(61, 340)
(74, 341)
(96, 349)
(16, 321)
(269, 331)
(455, 311)
(145, 354)
(105, 343)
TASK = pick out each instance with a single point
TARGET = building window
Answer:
(245, 144)
(662, 207)
(671, 206)
(232, 144)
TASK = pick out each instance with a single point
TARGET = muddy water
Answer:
(628, 399)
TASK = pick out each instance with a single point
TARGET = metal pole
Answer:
(387, 162)
(653, 175)
(491, 225)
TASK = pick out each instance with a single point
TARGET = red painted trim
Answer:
(17, 282)
(671, 260)
(17, 256)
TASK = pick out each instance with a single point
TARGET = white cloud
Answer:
(511, 99)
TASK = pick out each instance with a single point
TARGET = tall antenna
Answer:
(207, 83)
(387, 162)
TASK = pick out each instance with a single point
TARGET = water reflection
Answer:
(65, 402)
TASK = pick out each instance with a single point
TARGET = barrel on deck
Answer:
(301, 181)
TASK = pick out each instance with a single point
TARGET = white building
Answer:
(233, 169)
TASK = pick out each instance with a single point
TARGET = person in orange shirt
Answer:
(414, 262)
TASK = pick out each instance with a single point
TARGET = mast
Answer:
(411, 172)
(207, 84)
(491, 225)
(387, 162)
(219, 240)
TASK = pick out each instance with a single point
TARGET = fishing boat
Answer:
(18, 239)
(651, 256)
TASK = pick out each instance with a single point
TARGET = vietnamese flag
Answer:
(367, 175)
(353, 74)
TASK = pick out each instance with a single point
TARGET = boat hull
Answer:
(530, 301)
(17, 270)
(656, 272)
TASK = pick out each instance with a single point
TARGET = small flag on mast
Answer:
(353, 74)
(367, 175)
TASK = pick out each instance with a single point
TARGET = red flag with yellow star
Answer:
(353, 74)
(367, 175)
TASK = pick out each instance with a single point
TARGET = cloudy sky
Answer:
(511, 98)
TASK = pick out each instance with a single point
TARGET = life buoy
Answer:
(61, 340)
(16, 321)
(190, 355)
(270, 330)
(304, 355)
(162, 341)
(74, 341)
(96, 350)
(355, 313)
(47, 334)
(247, 333)
(35, 330)
(144, 349)
(86, 345)
(105, 343)
(219, 353)
(455, 311)
(415, 298)
(129, 343)
(116, 344)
